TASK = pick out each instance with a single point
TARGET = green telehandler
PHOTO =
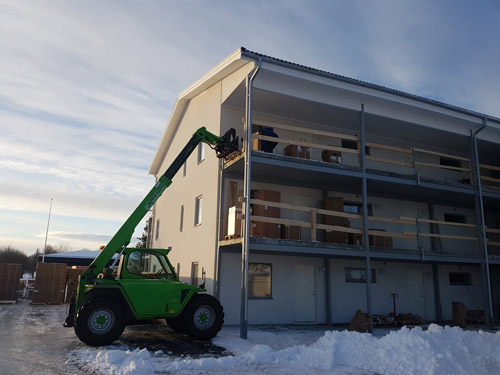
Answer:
(144, 285)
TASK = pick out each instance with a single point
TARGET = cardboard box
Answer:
(333, 204)
(10, 275)
(332, 156)
(50, 283)
(379, 241)
(261, 229)
(297, 151)
(336, 237)
(290, 232)
(256, 145)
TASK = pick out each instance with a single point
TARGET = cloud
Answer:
(86, 237)
(87, 87)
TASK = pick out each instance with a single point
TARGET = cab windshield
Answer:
(149, 264)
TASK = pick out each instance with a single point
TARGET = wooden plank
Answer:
(486, 166)
(389, 161)
(406, 235)
(304, 144)
(280, 205)
(389, 148)
(441, 154)
(348, 215)
(314, 214)
(491, 187)
(486, 178)
(448, 236)
(409, 221)
(492, 230)
(306, 130)
(336, 228)
(275, 220)
(493, 243)
(442, 166)
(447, 223)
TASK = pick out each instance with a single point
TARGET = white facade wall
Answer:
(194, 243)
(280, 309)
(414, 284)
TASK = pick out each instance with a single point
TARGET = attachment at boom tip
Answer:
(229, 143)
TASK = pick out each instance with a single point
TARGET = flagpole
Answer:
(47, 232)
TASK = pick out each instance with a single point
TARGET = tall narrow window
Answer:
(198, 210)
(181, 224)
(201, 152)
(194, 273)
(157, 234)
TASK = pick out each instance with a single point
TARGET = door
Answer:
(416, 293)
(149, 284)
(305, 293)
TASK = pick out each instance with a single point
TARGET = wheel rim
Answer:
(204, 318)
(101, 321)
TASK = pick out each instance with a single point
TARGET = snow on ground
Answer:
(436, 351)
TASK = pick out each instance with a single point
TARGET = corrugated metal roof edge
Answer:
(358, 82)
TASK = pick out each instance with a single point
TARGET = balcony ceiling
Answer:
(324, 116)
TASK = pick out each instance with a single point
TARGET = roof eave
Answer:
(227, 66)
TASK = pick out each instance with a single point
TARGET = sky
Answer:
(87, 87)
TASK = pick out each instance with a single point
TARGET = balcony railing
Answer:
(416, 235)
(406, 157)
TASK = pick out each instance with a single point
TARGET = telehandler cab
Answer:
(145, 286)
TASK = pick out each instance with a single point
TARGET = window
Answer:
(198, 210)
(357, 208)
(194, 273)
(149, 264)
(455, 218)
(181, 224)
(358, 275)
(201, 152)
(448, 162)
(353, 145)
(259, 280)
(460, 278)
(157, 234)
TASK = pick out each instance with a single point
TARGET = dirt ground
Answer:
(33, 341)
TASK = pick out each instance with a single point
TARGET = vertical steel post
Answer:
(217, 259)
(482, 231)
(365, 220)
(247, 141)
(47, 233)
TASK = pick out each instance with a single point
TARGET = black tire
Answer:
(176, 324)
(100, 322)
(203, 317)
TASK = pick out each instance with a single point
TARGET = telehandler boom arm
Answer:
(223, 146)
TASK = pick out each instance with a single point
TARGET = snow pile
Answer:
(437, 351)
